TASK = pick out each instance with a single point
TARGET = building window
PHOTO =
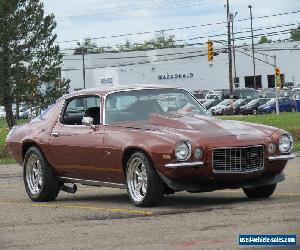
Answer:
(249, 82)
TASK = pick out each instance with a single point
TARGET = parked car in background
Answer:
(133, 143)
(223, 93)
(285, 105)
(288, 93)
(234, 109)
(213, 96)
(267, 93)
(252, 107)
(245, 93)
(202, 100)
(2, 112)
(210, 103)
(218, 109)
(200, 94)
(24, 112)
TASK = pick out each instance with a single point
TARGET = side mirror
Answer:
(88, 121)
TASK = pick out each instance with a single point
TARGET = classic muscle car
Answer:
(135, 138)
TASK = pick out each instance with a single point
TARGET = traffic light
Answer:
(210, 50)
(277, 77)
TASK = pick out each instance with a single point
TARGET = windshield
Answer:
(253, 102)
(238, 102)
(271, 101)
(137, 105)
(263, 101)
(224, 102)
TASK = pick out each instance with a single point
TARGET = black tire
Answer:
(260, 192)
(49, 187)
(150, 194)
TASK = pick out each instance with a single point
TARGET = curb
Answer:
(297, 154)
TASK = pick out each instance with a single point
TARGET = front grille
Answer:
(238, 159)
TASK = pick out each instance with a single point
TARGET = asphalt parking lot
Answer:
(104, 218)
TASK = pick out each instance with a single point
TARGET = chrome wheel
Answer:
(137, 179)
(34, 174)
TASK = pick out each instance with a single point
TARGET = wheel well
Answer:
(128, 153)
(28, 145)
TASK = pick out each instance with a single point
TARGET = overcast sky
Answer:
(77, 19)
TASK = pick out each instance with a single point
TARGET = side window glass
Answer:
(79, 107)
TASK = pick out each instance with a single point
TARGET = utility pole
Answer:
(83, 66)
(233, 48)
(229, 52)
(251, 18)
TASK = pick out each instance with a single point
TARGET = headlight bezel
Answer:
(291, 143)
(188, 145)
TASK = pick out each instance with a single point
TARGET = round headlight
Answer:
(271, 148)
(285, 144)
(198, 153)
(183, 150)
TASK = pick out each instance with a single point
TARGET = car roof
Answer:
(107, 90)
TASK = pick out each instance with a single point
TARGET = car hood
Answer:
(201, 126)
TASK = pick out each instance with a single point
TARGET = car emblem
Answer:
(238, 138)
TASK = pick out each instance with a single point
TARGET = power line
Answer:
(256, 58)
(224, 34)
(177, 28)
(142, 62)
(239, 32)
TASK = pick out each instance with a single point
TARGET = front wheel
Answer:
(260, 192)
(145, 187)
(40, 182)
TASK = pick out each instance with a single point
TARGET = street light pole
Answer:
(83, 66)
(254, 75)
(229, 51)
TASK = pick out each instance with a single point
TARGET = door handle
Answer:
(55, 134)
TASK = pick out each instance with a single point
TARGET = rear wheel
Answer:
(145, 187)
(40, 182)
(260, 192)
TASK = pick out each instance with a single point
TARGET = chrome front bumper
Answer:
(185, 164)
(282, 157)
(201, 163)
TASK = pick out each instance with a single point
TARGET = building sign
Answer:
(107, 81)
(175, 76)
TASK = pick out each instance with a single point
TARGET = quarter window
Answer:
(79, 107)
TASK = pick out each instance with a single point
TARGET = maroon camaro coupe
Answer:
(150, 140)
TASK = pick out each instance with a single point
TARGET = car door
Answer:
(281, 105)
(76, 150)
(285, 104)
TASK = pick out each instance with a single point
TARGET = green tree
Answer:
(295, 34)
(263, 39)
(160, 41)
(89, 46)
(28, 56)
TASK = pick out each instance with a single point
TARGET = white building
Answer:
(185, 67)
